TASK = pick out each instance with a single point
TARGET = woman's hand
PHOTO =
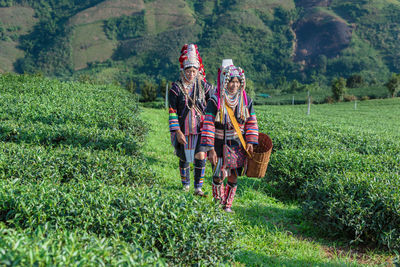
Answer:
(249, 147)
(181, 137)
(212, 157)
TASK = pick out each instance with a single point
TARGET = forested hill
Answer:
(274, 41)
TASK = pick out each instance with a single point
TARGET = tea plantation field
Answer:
(330, 183)
(75, 189)
(342, 164)
(88, 178)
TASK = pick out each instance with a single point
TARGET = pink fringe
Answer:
(219, 88)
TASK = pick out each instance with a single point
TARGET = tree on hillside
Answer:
(161, 87)
(321, 63)
(311, 87)
(149, 92)
(6, 3)
(250, 88)
(131, 86)
(338, 88)
(393, 85)
(354, 81)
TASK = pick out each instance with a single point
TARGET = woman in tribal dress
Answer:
(187, 101)
(219, 138)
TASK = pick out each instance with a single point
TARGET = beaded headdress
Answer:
(225, 74)
(190, 57)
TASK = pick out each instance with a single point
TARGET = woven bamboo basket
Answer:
(258, 163)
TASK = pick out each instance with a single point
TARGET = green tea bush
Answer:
(32, 163)
(49, 112)
(66, 131)
(342, 164)
(71, 163)
(291, 134)
(289, 170)
(363, 206)
(69, 248)
(154, 104)
(181, 228)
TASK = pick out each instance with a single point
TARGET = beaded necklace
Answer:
(185, 88)
(232, 99)
(236, 101)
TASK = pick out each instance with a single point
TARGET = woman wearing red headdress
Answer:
(188, 97)
(219, 137)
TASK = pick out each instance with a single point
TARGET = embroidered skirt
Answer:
(219, 170)
(190, 149)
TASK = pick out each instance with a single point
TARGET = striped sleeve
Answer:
(251, 127)
(208, 132)
(173, 120)
(173, 116)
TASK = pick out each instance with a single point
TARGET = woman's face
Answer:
(233, 85)
(190, 74)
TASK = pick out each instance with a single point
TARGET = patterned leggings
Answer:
(199, 171)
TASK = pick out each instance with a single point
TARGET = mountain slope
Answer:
(274, 41)
(14, 21)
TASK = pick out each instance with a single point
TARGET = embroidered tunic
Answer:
(186, 113)
(216, 134)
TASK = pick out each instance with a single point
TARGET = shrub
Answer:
(130, 86)
(354, 81)
(289, 170)
(154, 104)
(44, 247)
(69, 114)
(86, 78)
(349, 98)
(29, 163)
(344, 174)
(338, 88)
(393, 84)
(149, 92)
(366, 207)
(181, 228)
(329, 100)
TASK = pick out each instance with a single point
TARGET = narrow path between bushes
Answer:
(273, 233)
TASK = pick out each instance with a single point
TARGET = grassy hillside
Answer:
(163, 16)
(14, 22)
(274, 41)
(105, 10)
(90, 44)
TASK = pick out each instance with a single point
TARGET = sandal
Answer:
(199, 192)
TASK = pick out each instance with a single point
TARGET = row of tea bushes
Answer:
(289, 170)
(75, 188)
(157, 221)
(69, 248)
(50, 112)
(305, 133)
(343, 171)
(363, 206)
(343, 192)
(61, 164)
(66, 131)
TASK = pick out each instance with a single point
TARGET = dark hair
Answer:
(239, 78)
(191, 67)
